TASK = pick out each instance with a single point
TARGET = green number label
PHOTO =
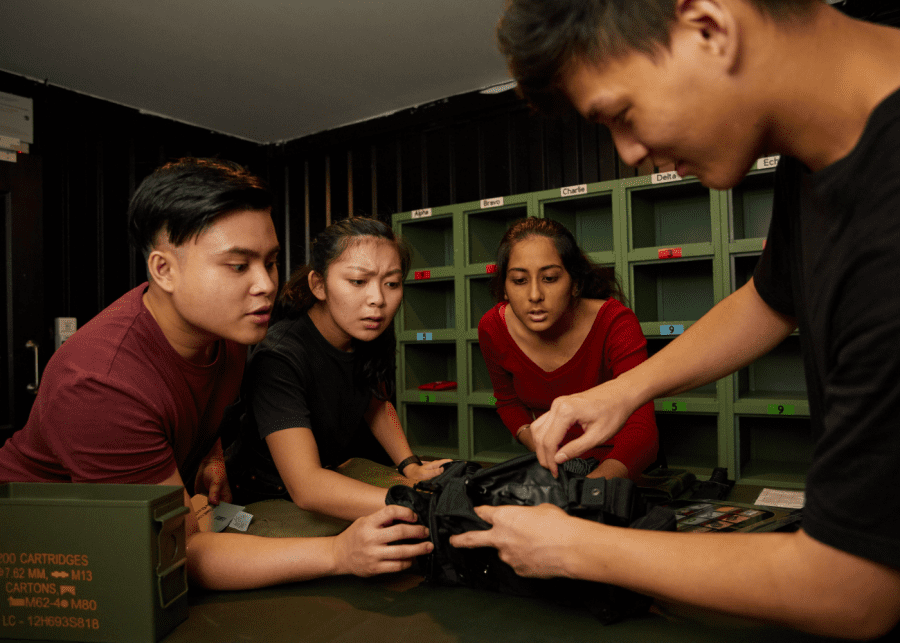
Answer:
(675, 406)
(780, 409)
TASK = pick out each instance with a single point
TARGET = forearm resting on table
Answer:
(334, 494)
(369, 546)
(240, 561)
(317, 489)
(789, 578)
(226, 561)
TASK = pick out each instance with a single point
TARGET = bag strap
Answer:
(615, 496)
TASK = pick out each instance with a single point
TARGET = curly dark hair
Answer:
(591, 280)
(377, 358)
(541, 38)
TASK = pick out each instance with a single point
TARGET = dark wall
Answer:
(94, 153)
(464, 148)
(460, 149)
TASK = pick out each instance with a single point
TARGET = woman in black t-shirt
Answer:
(316, 389)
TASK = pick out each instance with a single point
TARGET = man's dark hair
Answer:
(185, 196)
(540, 38)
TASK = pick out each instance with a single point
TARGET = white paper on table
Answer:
(781, 498)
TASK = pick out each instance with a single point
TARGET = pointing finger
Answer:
(486, 513)
(472, 539)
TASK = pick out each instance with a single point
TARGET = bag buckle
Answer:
(593, 492)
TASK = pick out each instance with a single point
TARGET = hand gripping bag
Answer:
(445, 504)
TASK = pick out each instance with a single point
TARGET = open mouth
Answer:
(261, 315)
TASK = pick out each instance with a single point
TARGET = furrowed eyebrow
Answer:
(366, 271)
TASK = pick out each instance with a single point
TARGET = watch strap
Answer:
(408, 461)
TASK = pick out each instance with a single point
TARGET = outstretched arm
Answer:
(314, 488)
(385, 426)
(790, 579)
(735, 332)
(236, 561)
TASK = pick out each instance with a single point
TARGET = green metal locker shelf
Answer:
(678, 249)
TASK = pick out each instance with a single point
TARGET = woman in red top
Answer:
(560, 328)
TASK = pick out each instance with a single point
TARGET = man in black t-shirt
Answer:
(705, 87)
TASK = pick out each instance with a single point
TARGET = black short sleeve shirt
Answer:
(295, 378)
(831, 261)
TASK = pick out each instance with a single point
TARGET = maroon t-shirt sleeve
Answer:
(112, 433)
(118, 404)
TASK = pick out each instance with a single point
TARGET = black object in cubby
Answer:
(716, 488)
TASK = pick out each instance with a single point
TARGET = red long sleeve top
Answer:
(524, 390)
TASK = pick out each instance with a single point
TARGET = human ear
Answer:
(162, 268)
(714, 25)
(316, 285)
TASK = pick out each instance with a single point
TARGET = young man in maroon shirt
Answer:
(137, 394)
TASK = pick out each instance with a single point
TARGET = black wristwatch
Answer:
(408, 461)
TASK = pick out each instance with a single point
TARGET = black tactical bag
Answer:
(445, 504)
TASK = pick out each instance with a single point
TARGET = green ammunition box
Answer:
(91, 562)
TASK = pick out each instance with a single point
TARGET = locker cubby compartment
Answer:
(491, 440)
(774, 450)
(590, 219)
(742, 267)
(485, 230)
(777, 375)
(707, 391)
(480, 299)
(751, 206)
(479, 378)
(672, 290)
(673, 215)
(429, 305)
(430, 242)
(688, 441)
(433, 429)
(425, 362)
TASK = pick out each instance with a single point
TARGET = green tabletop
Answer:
(404, 608)
(397, 608)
